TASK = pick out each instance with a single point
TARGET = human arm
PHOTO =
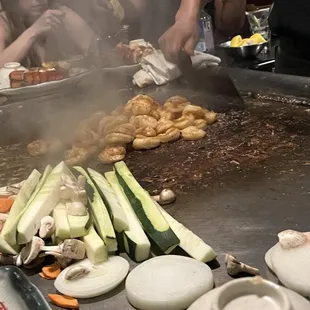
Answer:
(229, 16)
(78, 30)
(18, 49)
(183, 35)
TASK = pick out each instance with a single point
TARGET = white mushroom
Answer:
(234, 267)
(76, 208)
(70, 248)
(76, 271)
(19, 260)
(64, 262)
(31, 250)
(47, 227)
(165, 197)
(10, 260)
(71, 189)
(290, 239)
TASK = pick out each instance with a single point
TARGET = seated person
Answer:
(35, 31)
(105, 17)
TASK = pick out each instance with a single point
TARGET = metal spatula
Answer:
(216, 81)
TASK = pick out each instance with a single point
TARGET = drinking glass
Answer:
(258, 21)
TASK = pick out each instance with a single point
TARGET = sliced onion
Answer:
(268, 258)
(168, 283)
(101, 279)
(290, 262)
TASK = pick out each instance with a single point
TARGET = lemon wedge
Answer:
(257, 38)
(236, 41)
(247, 42)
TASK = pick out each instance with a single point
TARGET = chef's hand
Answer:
(183, 36)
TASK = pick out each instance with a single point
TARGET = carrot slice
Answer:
(6, 204)
(43, 276)
(51, 271)
(63, 301)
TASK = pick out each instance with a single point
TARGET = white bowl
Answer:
(6, 71)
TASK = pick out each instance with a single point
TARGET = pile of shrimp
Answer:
(142, 122)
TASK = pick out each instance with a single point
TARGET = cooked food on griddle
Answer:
(79, 154)
(112, 154)
(142, 122)
(135, 51)
(49, 71)
(193, 133)
(42, 147)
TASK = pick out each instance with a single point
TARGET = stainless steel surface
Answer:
(47, 88)
(243, 52)
(212, 81)
(240, 213)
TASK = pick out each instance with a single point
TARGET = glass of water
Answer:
(258, 21)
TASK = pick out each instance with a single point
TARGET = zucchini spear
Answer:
(99, 213)
(151, 219)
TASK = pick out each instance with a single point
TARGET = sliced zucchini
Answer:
(62, 231)
(42, 205)
(136, 243)
(5, 248)
(20, 203)
(96, 250)
(108, 196)
(153, 222)
(99, 213)
(79, 225)
(46, 173)
(189, 242)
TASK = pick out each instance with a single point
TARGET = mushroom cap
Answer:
(167, 196)
(73, 248)
(47, 227)
(31, 250)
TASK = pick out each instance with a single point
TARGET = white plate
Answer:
(77, 74)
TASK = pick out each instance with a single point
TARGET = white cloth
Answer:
(157, 70)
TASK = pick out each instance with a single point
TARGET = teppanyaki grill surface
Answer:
(240, 140)
(237, 188)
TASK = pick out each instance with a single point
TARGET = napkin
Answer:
(157, 70)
